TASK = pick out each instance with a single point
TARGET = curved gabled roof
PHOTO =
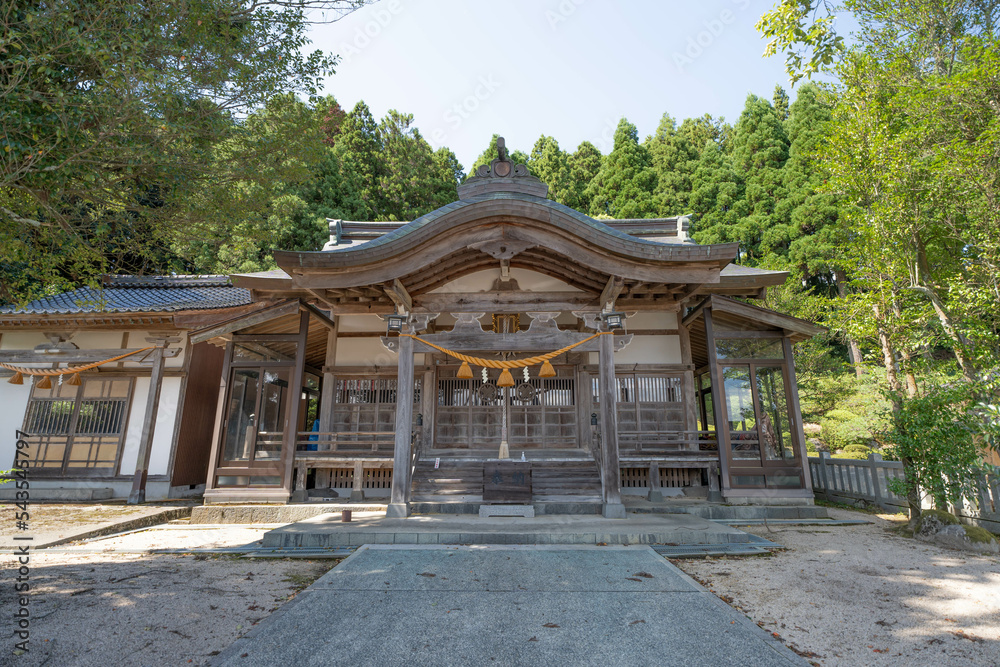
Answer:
(502, 225)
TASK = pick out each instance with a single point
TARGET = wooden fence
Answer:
(852, 480)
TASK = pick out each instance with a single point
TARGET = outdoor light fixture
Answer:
(394, 323)
(593, 419)
(613, 320)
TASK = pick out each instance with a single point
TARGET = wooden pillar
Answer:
(358, 482)
(138, 493)
(428, 403)
(220, 415)
(688, 388)
(328, 395)
(292, 411)
(399, 502)
(721, 411)
(610, 471)
(798, 432)
(655, 495)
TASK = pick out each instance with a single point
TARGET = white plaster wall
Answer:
(360, 323)
(652, 320)
(13, 402)
(651, 350)
(137, 340)
(482, 281)
(364, 352)
(163, 432)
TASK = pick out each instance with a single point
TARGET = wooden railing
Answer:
(379, 443)
(664, 442)
(850, 480)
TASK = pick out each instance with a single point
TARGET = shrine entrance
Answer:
(541, 412)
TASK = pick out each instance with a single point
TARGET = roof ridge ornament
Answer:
(502, 175)
(502, 167)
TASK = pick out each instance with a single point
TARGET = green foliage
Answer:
(852, 412)
(551, 165)
(939, 436)
(623, 187)
(584, 164)
(121, 118)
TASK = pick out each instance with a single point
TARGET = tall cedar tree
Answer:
(549, 163)
(584, 163)
(759, 151)
(623, 188)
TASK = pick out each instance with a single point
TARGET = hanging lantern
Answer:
(17, 378)
(44, 383)
(505, 379)
(74, 380)
(547, 371)
(464, 372)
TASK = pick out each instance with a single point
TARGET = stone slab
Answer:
(328, 531)
(487, 511)
(507, 606)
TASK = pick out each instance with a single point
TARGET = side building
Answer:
(140, 425)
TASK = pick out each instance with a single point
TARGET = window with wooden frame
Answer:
(650, 409)
(78, 430)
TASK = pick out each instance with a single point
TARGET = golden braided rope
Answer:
(74, 369)
(511, 363)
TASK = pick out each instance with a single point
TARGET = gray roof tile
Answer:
(141, 294)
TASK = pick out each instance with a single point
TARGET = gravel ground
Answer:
(861, 595)
(839, 595)
(113, 609)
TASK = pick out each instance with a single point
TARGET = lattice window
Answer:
(678, 477)
(78, 429)
(377, 478)
(367, 404)
(634, 477)
(341, 478)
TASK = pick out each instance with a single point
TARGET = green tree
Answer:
(359, 147)
(111, 119)
(550, 164)
(717, 197)
(675, 152)
(623, 187)
(584, 163)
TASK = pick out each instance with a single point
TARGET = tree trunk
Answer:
(853, 349)
(889, 357)
(947, 323)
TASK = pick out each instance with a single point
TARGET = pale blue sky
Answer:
(568, 68)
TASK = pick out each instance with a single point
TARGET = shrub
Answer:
(938, 437)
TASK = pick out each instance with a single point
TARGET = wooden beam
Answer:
(320, 296)
(138, 493)
(524, 341)
(503, 301)
(75, 356)
(395, 291)
(611, 291)
(245, 321)
(320, 316)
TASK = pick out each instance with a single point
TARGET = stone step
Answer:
(329, 531)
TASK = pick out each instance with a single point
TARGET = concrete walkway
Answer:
(506, 605)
